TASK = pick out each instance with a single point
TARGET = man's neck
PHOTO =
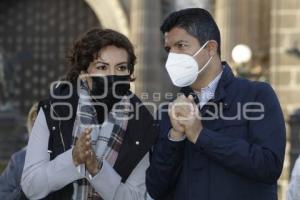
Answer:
(207, 76)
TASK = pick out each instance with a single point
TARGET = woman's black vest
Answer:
(140, 135)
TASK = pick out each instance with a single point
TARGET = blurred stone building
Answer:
(35, 36)
(285, 70)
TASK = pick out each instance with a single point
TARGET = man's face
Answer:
(177, 40)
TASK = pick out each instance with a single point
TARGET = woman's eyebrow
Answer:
(121, 63)
(101, 62)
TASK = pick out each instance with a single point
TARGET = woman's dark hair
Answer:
(197, 22)
(90, 43)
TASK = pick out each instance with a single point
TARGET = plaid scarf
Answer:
(106, 138)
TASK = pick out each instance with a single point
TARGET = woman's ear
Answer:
(84, 72)
(132, 78)
(85, 76)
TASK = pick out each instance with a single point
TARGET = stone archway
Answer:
(110, 14)
(34, 39)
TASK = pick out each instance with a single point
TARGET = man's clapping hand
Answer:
(185, 118)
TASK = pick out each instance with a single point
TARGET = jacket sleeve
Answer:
(10, 187)
(259, 158)
(40, 175)
(108, 183)
(165, 163)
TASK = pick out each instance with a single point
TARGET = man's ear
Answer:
(213, 47)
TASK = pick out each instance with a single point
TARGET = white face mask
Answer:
(183, 69)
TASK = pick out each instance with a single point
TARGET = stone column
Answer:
(284, 67)
(151, 76)
(247, 22)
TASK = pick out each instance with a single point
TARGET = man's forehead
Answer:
(174, 35)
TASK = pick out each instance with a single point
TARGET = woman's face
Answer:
(110, 60)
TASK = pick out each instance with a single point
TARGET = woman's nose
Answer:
(112, 71)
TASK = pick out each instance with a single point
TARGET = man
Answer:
(224, 139)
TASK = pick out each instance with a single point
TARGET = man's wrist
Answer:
(196, 136)
(176, 135)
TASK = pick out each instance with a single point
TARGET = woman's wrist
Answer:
(95, 170)
(74, 158)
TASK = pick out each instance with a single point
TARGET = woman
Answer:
(92, 136)
(10, 179)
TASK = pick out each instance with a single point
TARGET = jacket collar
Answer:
(221, 93)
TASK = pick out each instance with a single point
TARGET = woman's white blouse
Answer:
(42, 176)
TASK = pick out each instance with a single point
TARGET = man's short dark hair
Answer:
(197, 22)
